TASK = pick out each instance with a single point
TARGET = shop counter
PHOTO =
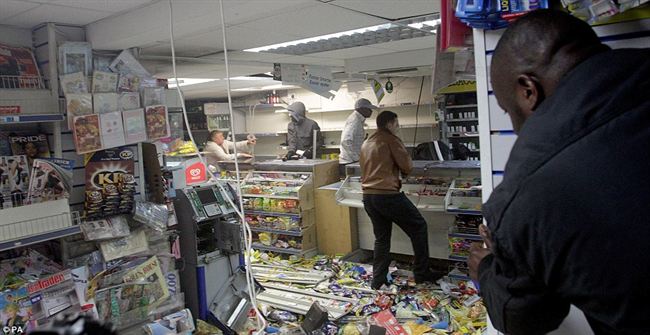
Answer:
(440, 191)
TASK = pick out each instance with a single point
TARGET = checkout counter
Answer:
(439, 189)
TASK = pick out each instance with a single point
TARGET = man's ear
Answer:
(529, 93)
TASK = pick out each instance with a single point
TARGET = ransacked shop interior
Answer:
(197, 167)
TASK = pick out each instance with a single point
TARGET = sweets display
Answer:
(280, 222)
(272, 205)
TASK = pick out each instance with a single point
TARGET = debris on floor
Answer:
(343, 289)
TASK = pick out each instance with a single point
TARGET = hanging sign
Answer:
(378, 89)
(315, 78)
(195, 173)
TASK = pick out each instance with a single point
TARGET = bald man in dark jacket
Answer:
(568, 225)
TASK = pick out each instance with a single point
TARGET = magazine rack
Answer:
(28, 220)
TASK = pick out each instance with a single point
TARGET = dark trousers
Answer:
(383, 210)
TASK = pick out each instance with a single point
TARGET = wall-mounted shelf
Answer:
(33, 118)
(404, 126)
(317, 110)
(462, 135)
(277, 231)
(461, 106)
(461, 120)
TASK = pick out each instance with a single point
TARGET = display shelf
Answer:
(33, 239)
(461, 106)
(277, 231)
(461, 120)
(463, 211)
(253, 212)
(290, 251)
(462, 135)
(270, 196)
(314, 110)
(458, 258)
(466, 236)
(32, 118)
(464, 197)
(35, 219)
(458, 277)
(405, 126)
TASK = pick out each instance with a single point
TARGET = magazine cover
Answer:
(80, 277)
(86, 133)
(74, 83)
(157, 122)
(112, 129)
(104, 82)
(20, 65)
(105, 102)
(78, 105)
(129, 101)
(134, 126)
(125, 246)
(150, 273)
(125, 63)
(16, 310)
(102, 62)
(154, 96)
(50, 181)
(4, 178)
(32, 146)
(5, 145)
(18, 178)
(128, 83)
(179, 323)
(75, 57)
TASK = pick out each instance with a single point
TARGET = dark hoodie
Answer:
(300, 131)
(568, 221)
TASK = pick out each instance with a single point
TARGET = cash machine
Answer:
(211, 243)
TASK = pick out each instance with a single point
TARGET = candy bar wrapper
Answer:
(78, 104)
(104, 229)
(134, 126)
(112, 129)
(87, 133)
(104, 82)
(105, 102)
(74, 83)
(157, 122)
(129, 101)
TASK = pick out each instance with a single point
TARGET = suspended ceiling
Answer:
(144, 24)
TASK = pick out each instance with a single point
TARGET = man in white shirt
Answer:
(353, 133)
(217, 148)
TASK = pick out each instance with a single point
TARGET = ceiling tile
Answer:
(392, 9)
(52, 13)
(9, 8)
(318, 19)
(111, 6)
(408, 44)
(355, 52)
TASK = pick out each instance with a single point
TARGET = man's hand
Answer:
(477, 252)
(245, 155)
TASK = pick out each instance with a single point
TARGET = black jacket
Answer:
(569, 221)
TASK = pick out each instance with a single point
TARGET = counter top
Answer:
(454, 165)
(292, 163)
(332, 187)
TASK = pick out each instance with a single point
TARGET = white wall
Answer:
(331, 114)
(15, 36)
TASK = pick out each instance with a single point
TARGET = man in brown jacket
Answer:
(383, 157)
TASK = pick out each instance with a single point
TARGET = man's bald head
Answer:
(533, 55)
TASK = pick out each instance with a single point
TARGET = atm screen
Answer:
(206, 196)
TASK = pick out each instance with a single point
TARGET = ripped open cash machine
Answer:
(211, 241)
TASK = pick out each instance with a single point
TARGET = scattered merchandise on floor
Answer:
(342, 288)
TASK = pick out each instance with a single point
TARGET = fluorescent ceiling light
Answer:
(319, 38)
(249, 78)
(265, 88)
(419, 25)
(189, 81)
